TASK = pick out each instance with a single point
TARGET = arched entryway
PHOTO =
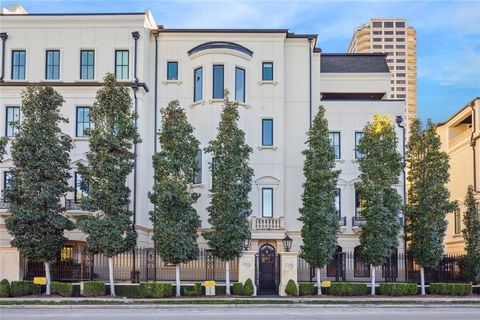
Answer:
(268, 274)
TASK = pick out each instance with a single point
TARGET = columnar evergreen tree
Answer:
(471, 234)
(175, 221)
(110, 161)
(40, 154)
(318, 214)
(428, 196)
(232, 181)
(3, 144)
(380, 168)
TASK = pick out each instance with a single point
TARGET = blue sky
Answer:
(448, 33)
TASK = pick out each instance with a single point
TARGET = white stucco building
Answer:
(279, 78)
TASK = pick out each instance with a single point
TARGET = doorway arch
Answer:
(268, 264)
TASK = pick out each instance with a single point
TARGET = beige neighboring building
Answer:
(460, 135)
(397, 39)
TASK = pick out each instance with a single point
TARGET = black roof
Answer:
(353, 63)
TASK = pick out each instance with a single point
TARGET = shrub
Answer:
(194, 291)
(126, 290)
(4, 288)
(454, 289)
(398, 289)
(348, 289)
(94, 288)
(238, 288)
(23, 288)
(305, 288)
(291, 288)
(248, 288)
(155, 289)
(63, 289)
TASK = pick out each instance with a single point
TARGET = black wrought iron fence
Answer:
(348, 266)
(143, 264)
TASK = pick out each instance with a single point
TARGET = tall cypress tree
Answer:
(41, 158)
(471, 234)
(428, 196)
(110, 161)
(380, 168)
(320, 221)
(175, 221)
(232, 181)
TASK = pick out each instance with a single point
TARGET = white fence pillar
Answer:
(288, 270)
(246, 269)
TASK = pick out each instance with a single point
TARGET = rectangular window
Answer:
(400, 46)
(358, 205)
(377, 24)
(399, 24)
(400, 74)
(83, 121)
(377, 46)
(388, 46)
(218, 83)
(240, 84)
(267, 202)
(52, 71)
(198, 174)
(388, 39)
(377, 39)
(377, 32)
(18, 64)
(12, 123)
(121, 64)
(81, 188)
(400, 67)
(399, 32)
(388, 24)
(267, 132)
(87, 61)
(338, 205)
(198, 84)
(400, 39)
(267, 71)
(7, 182)
(457, 222)
(358, 137)
(172, 70)
(388, 32)
(335, 143)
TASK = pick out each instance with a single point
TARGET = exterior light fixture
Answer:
(287, 243)
(246, 242)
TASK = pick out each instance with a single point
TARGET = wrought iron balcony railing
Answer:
(70, 204)
(343, 221)
(359, 221)
(4, 205)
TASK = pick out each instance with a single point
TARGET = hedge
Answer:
(248, 288)
(23, 288)
(238, 288)
(63, 289)
(195, 291)
(291, 288)
(348, 289)
(398, 289)
(453, 289)
(155, 289)
(306, 288)
(94, 288)
(126, 290)
(4, 288)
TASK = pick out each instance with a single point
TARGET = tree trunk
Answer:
(227, 277)
(110, 272)
(319, 282)
(372, 268)
(47, 275)
(422, 280)
(177, 278)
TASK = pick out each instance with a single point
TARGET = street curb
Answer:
(299, 305)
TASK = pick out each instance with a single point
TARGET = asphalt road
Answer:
(245, 313)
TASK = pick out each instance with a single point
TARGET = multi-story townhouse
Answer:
(459, 136)
(278, 78)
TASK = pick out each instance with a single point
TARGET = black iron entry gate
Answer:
(268, 273)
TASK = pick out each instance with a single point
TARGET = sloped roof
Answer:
(353, 63)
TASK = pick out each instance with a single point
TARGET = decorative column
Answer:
(246, 269)
(288, 270)
(10, 264)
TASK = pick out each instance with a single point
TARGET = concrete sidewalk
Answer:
(472, 299)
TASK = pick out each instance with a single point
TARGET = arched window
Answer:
(336, 266)
(361, 268)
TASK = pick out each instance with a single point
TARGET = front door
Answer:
(267, 260)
